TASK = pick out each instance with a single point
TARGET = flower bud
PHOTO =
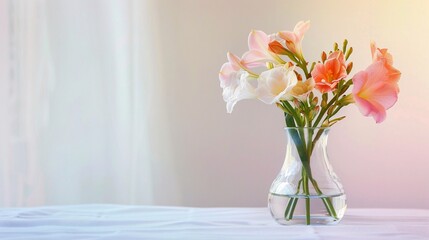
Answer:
(277, 48)
(298, 76)
(316, 109)
(345, 45)
(314, 112)
(349, 52)
(324, 100)
(314, 101)
(346, 100)
(331, 110)
(335, 47)
(333, 121)
(282, 108)
(296, 103)
(312, 66)
(325, 123)
(349, 67)
(310, 116)
(324, 56)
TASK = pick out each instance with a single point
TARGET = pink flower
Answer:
(328, 74)
(259, 52)
(294, 39)
(375, 90)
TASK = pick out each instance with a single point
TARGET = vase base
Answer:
(292, 209)
(314, 220)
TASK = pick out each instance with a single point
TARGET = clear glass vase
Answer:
(307, 191)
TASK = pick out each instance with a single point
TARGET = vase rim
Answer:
(286, 128)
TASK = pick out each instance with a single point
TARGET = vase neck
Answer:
(305, 141)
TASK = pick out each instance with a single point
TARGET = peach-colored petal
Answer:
(302, 89)
(380, 54)
(294, 39)
(259, 52)
(375, 91)
(301, 28)
(254, 58)
(258, 40)
(234, 60)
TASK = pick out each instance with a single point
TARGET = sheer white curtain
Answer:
(82, 105)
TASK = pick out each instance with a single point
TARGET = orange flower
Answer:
(328, 74)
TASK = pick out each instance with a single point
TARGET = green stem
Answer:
(336, 110)
(305, 151)
(326, 201)
(292, 203)
(307, 196)
(341, 90)
(306, 176)
(310, 142)
(323, 111)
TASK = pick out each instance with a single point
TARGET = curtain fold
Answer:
(83, 105)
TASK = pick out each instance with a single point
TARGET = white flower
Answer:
(238, 89)
(276, 84)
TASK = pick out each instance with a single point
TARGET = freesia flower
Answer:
(276, 84)
(294, 39)
(302, 89)
(229, 70)
(375, 90)
(328, 74)
(234, 82)
(259, 52)
(238, 89)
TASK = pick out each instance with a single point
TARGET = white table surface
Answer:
(149, 222)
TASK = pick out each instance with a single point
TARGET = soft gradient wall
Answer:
(137, 116)
(231, 159)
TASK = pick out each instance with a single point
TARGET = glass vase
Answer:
(307, 191)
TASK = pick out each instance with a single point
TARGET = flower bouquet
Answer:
(310, 94)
